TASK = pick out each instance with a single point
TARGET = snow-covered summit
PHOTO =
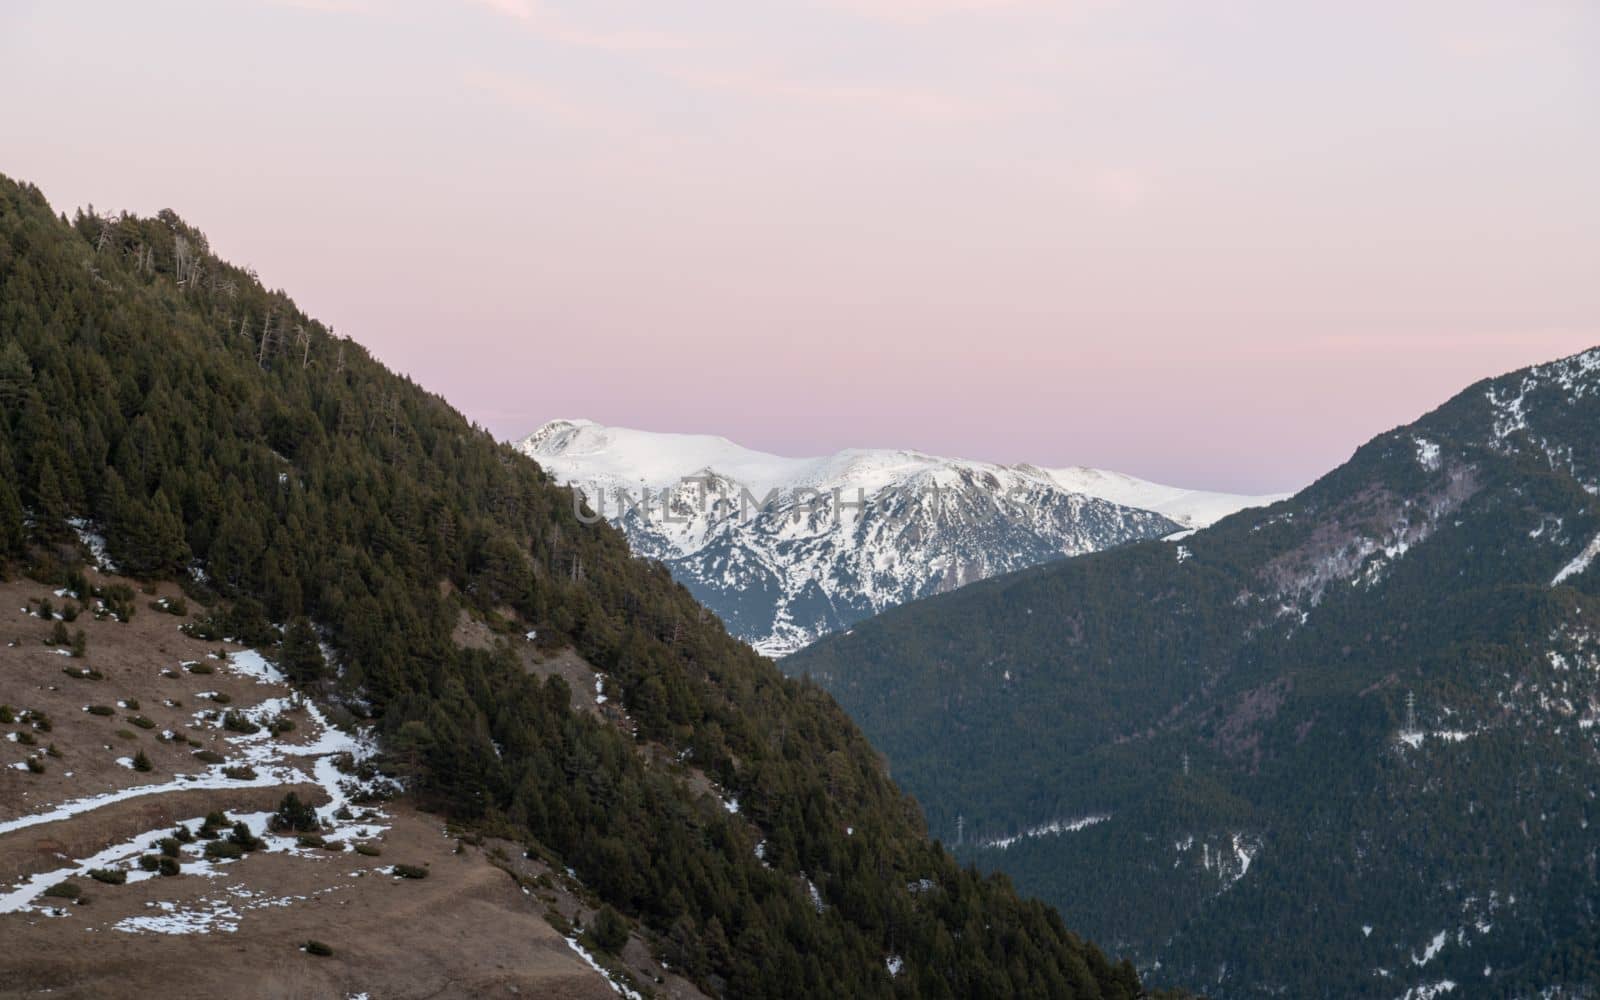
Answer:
(1190, 508)
(788, 549)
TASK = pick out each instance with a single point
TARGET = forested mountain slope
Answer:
(1342, 745)
(213, 433)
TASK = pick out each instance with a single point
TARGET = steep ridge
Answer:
(789, 549)
(165, 412)
(1342, 745)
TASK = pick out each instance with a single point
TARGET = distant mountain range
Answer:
(1345, 745)
(789, 549)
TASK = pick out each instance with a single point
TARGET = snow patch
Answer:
(1579, 564)
(619, 988)
(1053, 828)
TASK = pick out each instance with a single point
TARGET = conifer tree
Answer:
(300, 657)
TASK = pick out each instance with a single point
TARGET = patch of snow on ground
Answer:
(252, 664)
(1427, 454)
(94, 542)
(1579, 564)
(1052, 828)
(276, 764)
(171, 920)
(1244, 856)
(1429, 991)
(1433, 949)
(583, 953)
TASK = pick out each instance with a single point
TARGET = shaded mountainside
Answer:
(212, 433)
(1342, 745)
(789, 549)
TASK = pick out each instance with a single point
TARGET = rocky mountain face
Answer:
(1342, 745)
(786, 550)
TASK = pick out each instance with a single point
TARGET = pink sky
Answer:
(1218, 244)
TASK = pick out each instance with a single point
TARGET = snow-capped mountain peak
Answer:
(788, 549)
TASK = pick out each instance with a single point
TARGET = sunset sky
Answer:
(1212, 243)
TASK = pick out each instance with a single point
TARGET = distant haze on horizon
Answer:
(1217, 245)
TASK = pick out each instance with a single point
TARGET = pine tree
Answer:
(300, 657)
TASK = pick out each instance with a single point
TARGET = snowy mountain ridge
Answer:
(789, 549)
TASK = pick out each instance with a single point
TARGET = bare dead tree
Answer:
(181, 258)
(266, 338)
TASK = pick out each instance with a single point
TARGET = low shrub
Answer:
(214, 821)
(169, 866)
(109, 876)
(170, 846)
(201, 668)
(26, 738)
(369, 850)
(83, 673)
(411, 871)
(223, 850)
(236, 722)
(240, 772)
(311, 840)
(64, 890)
(35, 765)
(150, 862)
(209, 757)
(171, 606)
(609, 932)
(242, 836)
(141, 762)
(293, 814)
(142, 722)
(105, 710)
(317, 948)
